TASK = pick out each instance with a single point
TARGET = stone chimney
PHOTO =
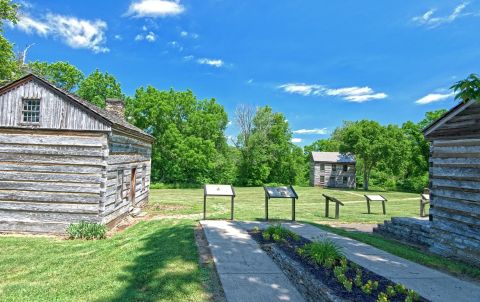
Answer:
(116, 106)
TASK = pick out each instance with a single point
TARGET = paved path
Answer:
(430, 283)
(246, 272)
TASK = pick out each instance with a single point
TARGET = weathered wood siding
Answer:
(125, 154)
(455, 197)
(316, 174)
(56, 112)
(49, 179)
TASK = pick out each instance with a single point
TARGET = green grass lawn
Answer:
(250, 205)
(151, 261)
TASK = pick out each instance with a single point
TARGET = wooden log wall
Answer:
(316, 173)
(125, 153)
(49, 179)
(55, 111)
(455, 199)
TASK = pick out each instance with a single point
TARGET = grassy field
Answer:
(250, 205)
(157, 260)
(152, 261)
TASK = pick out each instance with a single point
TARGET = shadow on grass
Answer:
(164, 267)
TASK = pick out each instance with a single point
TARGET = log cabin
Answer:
(332, 169)
(455, 182)
(64, 160)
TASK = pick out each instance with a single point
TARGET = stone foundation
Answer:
(409, 230)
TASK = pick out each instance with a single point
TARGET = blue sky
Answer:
(318, 62)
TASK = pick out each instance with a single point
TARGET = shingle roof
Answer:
(102, 113)
(332, 157)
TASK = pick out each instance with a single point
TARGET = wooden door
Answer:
(132, 186)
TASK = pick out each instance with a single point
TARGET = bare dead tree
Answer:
(244, 120)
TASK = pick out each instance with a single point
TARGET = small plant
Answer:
(86, 230)
(256, 229)
(412, 296)
(279, 233)
(358, 278)
(401, 289)
(391, 291)
(382, 297)
(348, 285)
(324, 252)
(338, 270)
(344, 263)
(369, 287)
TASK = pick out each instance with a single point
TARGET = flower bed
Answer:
(321, 272)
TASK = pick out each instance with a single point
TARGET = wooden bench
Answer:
(424, 200)
(376, 198)
(337, 202)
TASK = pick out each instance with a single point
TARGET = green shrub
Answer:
(86, 230)
(382, 297)
(391, 291)
(279, 233)
(412, 296)
(358, 278)
(369, 287)
(348, 285)
(322, 252)
(401, 289)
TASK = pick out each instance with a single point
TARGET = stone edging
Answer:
(306, 283)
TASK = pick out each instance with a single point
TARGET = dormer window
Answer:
(31, 111)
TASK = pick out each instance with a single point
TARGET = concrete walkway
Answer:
(430, 283)
(246, 272)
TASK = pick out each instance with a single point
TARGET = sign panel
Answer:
(219, 190)
(375, 197)
(281, 192)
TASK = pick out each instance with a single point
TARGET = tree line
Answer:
(191, 147)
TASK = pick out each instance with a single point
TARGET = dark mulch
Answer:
(327, 277)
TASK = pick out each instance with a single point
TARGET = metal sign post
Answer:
(218, 191)
(280, 192)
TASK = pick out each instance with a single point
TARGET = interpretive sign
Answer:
(280, 192)
(218, 190)
(375, 198)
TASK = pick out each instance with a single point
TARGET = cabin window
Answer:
(31, 111)
(334, 167)
(322, 179)
(322, 167)
(119, 186)
(345, 180)
(332, 179)
(144, 177)
(345, 168)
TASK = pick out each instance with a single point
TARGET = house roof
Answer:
(332, 157)
(462, 117)
(110, 118)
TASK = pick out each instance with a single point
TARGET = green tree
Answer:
(62, 74)
(98, 86)
(367, 141)
(267, 154)
(190, 145)
(324, 145)
(467, 89)
(9, 66)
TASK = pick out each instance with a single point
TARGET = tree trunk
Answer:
(366, 178)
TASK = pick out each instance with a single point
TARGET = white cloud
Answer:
(76, 33)
(296, 140)
(229, 123)
(154, 8)
(311, 131)
(188, 58)
(118, 37)
(185, 34)
(428, 19)
(250, 81)
(212, 62)
(176, 45)
(351, 94)
(300, 88)
(144, 28)
(434, 97)
(151, 37)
